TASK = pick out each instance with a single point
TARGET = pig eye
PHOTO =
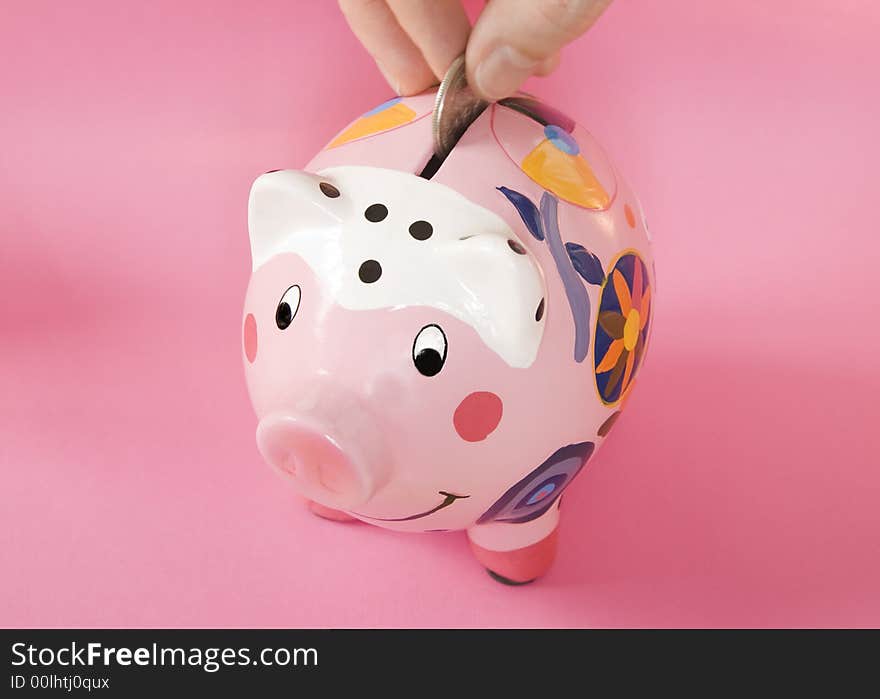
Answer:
(287, 307)
(429, 350)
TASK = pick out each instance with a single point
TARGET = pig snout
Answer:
(329, 448)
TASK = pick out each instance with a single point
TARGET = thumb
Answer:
(514, 39)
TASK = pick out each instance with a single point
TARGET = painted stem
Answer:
(578, 299)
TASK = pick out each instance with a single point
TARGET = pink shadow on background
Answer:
(742, 485)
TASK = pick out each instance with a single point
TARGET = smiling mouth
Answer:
(449, 499)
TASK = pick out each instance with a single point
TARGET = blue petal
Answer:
(527, 210)
(586, 263)
(382, 107)
(560, 138)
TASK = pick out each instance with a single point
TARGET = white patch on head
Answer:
(466, 267)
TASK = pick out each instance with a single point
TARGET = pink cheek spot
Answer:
(477, 416)
(250, 337)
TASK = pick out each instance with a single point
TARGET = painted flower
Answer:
(622, 328)
(388, 115)
(558, 165)
(532, 496)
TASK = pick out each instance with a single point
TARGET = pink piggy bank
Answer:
(433, 346)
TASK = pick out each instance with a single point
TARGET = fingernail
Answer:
(502, 72)
(395, 85)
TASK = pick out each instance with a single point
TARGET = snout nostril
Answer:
(331, 479)
(288, 465)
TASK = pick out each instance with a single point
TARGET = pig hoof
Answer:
(519, 566)
(507, 581)
(329, 513)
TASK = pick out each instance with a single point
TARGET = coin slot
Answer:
(436, 161)
(456, 107)
(431, 167)
(538, 111)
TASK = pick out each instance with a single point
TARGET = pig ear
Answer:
(503, 292)
(285, 202)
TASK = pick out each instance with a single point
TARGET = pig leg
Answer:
(329, 513)
(516, 554)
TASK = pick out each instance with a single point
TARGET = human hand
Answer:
(414, 41)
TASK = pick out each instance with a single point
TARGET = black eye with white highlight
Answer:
(429, 350)
(287, 307)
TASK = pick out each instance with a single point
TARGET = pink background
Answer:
(742, 485)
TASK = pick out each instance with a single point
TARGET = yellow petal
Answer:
(373, 123)
(567, 176)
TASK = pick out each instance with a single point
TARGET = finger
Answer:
(548, 65)
(512, 38)
(439, 28)
(397, 57)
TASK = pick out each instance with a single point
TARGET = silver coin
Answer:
(455, 108)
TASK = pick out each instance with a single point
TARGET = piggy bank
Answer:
(442, 345)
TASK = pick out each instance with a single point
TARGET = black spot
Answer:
(421, 230)
(283, 315)
(429, 362)
(329, 190)
(269, 172)
(376, 212)
(540, 312)
(516, 247)
(370, 271)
